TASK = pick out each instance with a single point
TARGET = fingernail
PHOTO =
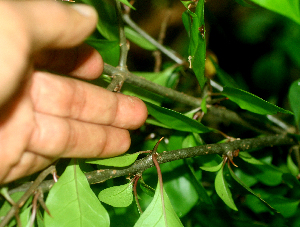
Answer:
(83, 9)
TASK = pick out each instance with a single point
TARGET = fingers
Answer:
(70, 98)
(61, 137)
(56, 25)
(28, 164)
(82, 61)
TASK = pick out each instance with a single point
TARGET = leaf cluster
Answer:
(223, 179)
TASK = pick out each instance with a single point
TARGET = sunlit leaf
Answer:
(153, 216)
(25, 217)
(176, 120)
(223, 190)
(288, 8)
(294, 94)
(72, 202)
(139, 40)
(251, 102)
(119, 161)
(117, 196)
(182, 193)
(292, 166)
(250, 159)
(212, 168)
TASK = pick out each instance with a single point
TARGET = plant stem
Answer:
(141, 165)
(171, 54)
(29, 191)
(153, 87)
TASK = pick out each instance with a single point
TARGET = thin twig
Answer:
(27, 194)
(161, 37)
(123, 42)
(170, 53)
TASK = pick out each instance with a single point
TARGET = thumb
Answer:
(55, 25)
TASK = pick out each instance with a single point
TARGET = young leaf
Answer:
(119, 161)
(176, 120)
(248, 158)
(251, 102)
(290, 8)
(139, 40)
(72, 202)
(117, 196)
(249, 189)
(153, 215)
(212, 168)
(223, 190)
(292, 166)
(294, 94)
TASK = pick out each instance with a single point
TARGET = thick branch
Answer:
(145, 163)
(153, 87)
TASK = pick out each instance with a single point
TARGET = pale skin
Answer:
(45, 116)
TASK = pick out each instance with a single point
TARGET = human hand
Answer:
(44, 116)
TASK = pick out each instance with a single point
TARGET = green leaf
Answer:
(162, 78)
(294, 94)
(119, 161)
(107, 18)
(194, 24)
(127, 3)
(146, 188)
(212, 168)
(139, 40)
(223, 190)
(176, 120)
(244, 3)
(292, 166)
(225, 79)
(291, 181)
(266, 174)
(182, 193)
(251, 102)
(288, 8)
(25, 217)
(109, 50)
(72, 202)
(153, 215)
(248, 158)
(287, 207)
(250, 190)
(117, 196)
